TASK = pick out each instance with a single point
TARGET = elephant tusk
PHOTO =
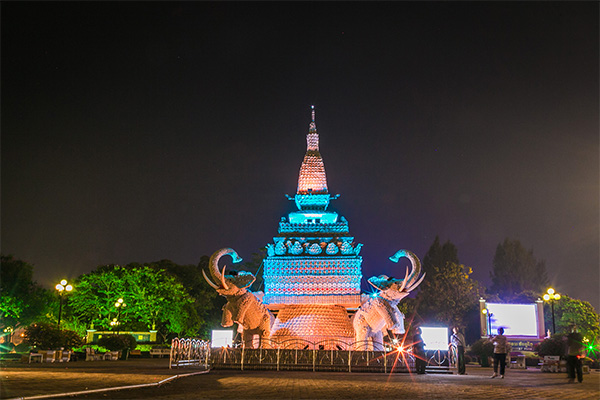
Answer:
(411, 288)
(223, 278)
(404, 281)
(209, 281)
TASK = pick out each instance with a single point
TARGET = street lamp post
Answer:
(62, 287)
(119, 305)
(552, 296)
(489, 314)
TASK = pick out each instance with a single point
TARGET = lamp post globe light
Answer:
(552, 296)
(62, 287)
(489, 314)
(119, 305)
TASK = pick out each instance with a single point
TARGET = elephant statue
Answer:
(380, 312)
(242, 307)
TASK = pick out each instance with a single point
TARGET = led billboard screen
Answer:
(516, 319)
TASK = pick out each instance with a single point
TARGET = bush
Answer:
(553, 346)
(22, 348)
(483, 349)
(118, 342)
(532, 361)
(47, 336)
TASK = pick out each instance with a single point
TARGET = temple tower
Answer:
(312, 272)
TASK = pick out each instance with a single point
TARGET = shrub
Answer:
(22, 348)
(532, 361)
(117, 342)
(483, 349)
(553, 346)
(47, 336)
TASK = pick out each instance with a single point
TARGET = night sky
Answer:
(135, 132)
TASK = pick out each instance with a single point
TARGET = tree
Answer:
(213, 315)
(439, 256)
(569, 311)
(449, 295)
(516, 270)
(22, 300)
(203, 296)
(152, 299)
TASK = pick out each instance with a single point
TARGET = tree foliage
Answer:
(569, 311)
(152, 298)
(439, 255)
(22, 300)
(448, 293)
(516, 270)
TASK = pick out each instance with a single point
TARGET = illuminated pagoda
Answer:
(312, 271)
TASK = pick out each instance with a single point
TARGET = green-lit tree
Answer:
(203, 296)
(569, 311)
(22, 300)
(516, 271)
(151, 299)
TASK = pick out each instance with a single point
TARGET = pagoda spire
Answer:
(312, 139)
(312, 181)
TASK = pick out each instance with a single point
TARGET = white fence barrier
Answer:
(328, 355)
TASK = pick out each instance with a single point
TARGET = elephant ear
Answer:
(384, 282)
(241, 279)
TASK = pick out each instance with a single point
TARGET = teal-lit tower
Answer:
(312, 272)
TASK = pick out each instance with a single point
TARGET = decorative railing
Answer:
(298, 354)
(189, 352)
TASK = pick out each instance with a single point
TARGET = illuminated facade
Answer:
(312, 275)
(312, 271)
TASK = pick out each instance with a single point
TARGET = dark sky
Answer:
(134, 132)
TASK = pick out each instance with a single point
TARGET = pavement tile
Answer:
(232, 384)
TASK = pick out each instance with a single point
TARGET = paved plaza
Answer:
(29, 380)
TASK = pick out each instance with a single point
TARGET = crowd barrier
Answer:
(298, 354)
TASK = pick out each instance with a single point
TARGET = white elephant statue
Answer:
(380, 313)
(242, 307)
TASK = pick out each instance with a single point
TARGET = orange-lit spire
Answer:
(312, 179)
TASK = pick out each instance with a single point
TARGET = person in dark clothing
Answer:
(457, 342)
(419, 352)
(574, 352)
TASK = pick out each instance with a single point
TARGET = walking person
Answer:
(457, 342)
(418, 348)
(500, 351)
(574, 352)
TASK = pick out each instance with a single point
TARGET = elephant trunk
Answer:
(213, 265)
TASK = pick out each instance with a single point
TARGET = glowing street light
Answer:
(489, 314)
(119, 305)
(552, 296)
(62, 287)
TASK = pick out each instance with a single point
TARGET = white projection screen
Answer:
(516, 319)
(221, 338)
(435, 338)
